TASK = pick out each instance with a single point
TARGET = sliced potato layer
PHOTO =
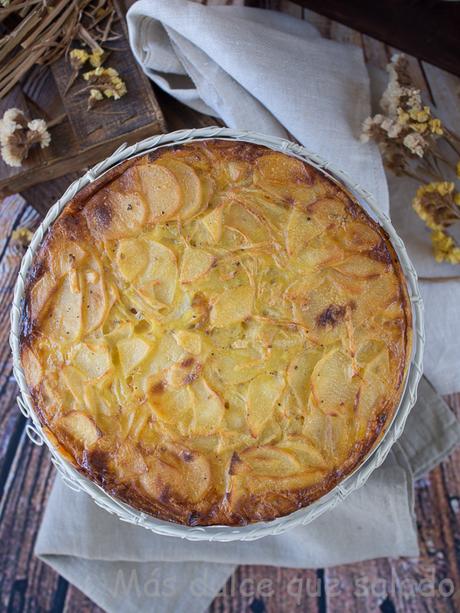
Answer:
(216, 332)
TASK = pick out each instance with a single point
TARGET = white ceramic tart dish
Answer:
(217, 335)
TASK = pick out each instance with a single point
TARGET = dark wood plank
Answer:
(77, 602)
(269, 589)
(425, 29)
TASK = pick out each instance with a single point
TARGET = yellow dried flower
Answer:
(23, 236)
(444, 248)
(107, 81)
(95, 59)
(421, 128)
(434, 204)
(95, 96)
(443, 187)
(403, 116)
(457, 198)
(421, 116)
(78, 57)
(436, 127)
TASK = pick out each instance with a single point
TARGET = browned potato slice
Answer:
(213, 223)
(131, 352)
(167, 353)
(190, 341)
(328, 212)
(232, 367)
(240, 218)
(285, 177)
(95, 300)
(64, 317)
(300, 230)
(195, 264)
(41, 292)
(299, 373)
(360, 266)
(132, 258)
(232, 306)
(334, 388)
(269, 462)
(263, 393)
(208, 408)
(80, 427)
(308, 454)
(190, 185)
(74, 380)
(321, 253)
(66, 256)
(32, 367)
(187, 473)
(357, 236)
(184, 372)
(160, 190)
(93, 359)
(113, 213)
(173, 406)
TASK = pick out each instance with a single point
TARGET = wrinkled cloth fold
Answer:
(271, 73)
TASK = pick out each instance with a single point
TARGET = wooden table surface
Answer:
(26, 473)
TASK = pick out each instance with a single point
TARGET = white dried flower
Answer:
(368, 127)
(39, 126)
(392, 127)
(18, 135)
(415, 143)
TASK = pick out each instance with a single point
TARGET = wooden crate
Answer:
(83, 137)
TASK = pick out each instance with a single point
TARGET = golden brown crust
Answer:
(215, 333)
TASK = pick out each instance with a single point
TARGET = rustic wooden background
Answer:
(26, 473)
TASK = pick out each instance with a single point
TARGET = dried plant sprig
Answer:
(78, 58)
(407, 134)
(436, 204)
(19, 134)
(107, 82)
(46, 31)
(445, 248)
(22, 236)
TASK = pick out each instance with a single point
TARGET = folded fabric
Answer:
(267, 72)
(125, 567)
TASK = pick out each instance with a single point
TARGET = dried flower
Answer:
(436, 127)
(95, 96)
(445, 248)
(435, 204)
(23, 236)
(407, 133)
(96, 58)
(416, 144)
(107, 82)
(78, 58)
(18, 135)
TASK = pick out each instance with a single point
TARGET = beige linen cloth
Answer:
(271, 73)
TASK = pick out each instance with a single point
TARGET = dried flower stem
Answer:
(407, 134)
(46, 30)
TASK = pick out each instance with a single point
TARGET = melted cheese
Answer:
(219, 333)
